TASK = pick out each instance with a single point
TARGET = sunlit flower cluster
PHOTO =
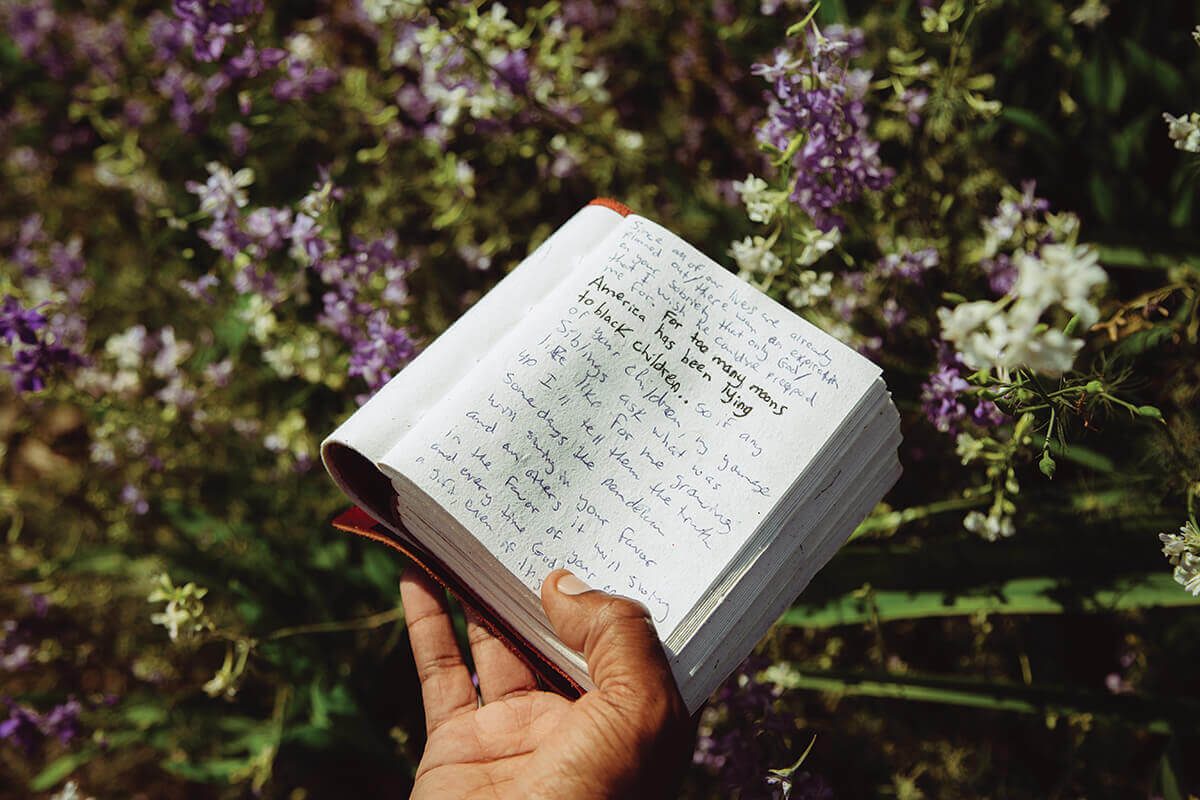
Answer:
(1183, 552)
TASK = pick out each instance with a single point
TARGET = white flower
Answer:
(991, 526)
(383, 10)
(1183, 552)
(70, 791)
(968, 448)
(1050, 353)
(960, 321)
(760, 203)
(258, 313)
(223, 188)
(127, 348)
(816, 244)
(1061, 274)
(1090, 14)
(171, 353)
(172, 618)
(1187, 573)
(184, 613)
(1184, 131)
(988, 335)
(989, 347)
(753, 256)
(812, 286)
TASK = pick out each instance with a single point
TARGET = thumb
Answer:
(616, 636)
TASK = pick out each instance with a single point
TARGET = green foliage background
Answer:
(928, 663)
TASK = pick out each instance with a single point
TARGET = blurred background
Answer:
(223, 223)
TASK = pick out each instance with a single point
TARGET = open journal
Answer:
(621, 406)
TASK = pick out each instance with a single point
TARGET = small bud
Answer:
(1046, 465)
(1094, 387)
(1151, 412)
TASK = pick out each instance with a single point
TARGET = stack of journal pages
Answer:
(623, 407)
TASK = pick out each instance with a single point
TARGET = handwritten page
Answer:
(637, 426)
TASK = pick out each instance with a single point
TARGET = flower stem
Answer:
(363, 623)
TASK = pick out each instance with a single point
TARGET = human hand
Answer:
(631, 737)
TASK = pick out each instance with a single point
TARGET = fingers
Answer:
(501, 673)
(624, 656)
(446, 686)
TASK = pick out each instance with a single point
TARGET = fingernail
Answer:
(569, 584)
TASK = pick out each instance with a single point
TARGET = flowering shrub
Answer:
(225, 222)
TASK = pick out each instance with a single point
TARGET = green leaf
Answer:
(1169, 781)
(1091, 80)
(1138, 258)
(1116, 84)
(1102, 196)
(1164, 73)
(1171, 775)
(802, 24)
(214, 770)
(381, 568)
(832, 12)
(1029, 122)
(1159, 715)
(144, 715)
(1143, 341)
(1129, 141)
(1076, 453)
(232, 329)
(1018, 596)
(61, 767)
(1181, 211)
(329, 555)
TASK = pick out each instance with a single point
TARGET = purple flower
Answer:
(30, 25)
(30, 235)
(751, 716)
(988, 415)
(815, 97)
(302, 82)
(133, 497)
(381, 352)
(219, 373)
(21, 728)
(252, 62)
(1001, 272)
(38, 602)
(941, 398)
(270, 228)
(513, 69)
(62, 721)
(908, 266)
(19, 323)
(32, 365)
(894, 315)
(913, 102)
(201, 288)
(207, 25)
(16, 652)
(239, 138)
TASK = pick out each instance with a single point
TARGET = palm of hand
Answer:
(521, 742)
(491, 751)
